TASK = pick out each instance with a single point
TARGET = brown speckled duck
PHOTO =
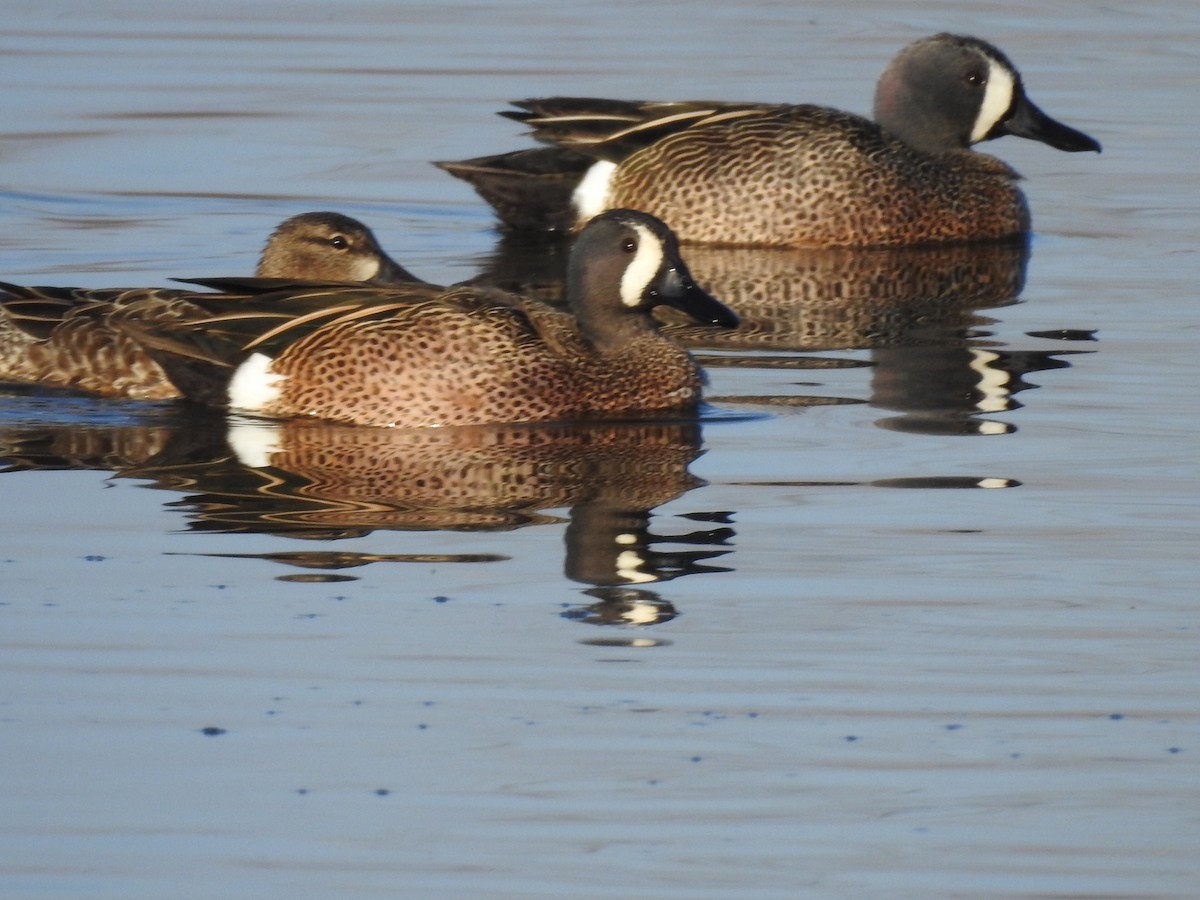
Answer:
(328, 246)
(422, 355)
(66, 337)
(744, 174)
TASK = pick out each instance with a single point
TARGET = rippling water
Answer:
(908, 613)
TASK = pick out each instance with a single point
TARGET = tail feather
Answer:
(612, 130)
(529, 189)
(532, 190)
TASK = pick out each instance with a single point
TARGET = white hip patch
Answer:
(591, 195)
(254, 386)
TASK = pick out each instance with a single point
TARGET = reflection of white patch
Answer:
(253, 386)
(591, 194)
(997, 98)
(994, 483)
(992, 383)
(986, 427)
(641, 614)
(643, 268)
(253, 442)
(626, 539)
(629, 564)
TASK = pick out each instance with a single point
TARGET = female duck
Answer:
(66, 337)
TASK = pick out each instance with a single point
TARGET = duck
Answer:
(753, 174)
(421, 355)
(328, 246)
(64, 338)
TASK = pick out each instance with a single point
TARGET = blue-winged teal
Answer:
(755, 174)
(60, 337)
(327, 246)
(422, 355)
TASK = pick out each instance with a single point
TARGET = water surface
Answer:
(908, 613)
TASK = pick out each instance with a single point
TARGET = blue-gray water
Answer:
(913, 615)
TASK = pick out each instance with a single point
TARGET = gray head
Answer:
(948, 92)
(622, 265)
(327, 246)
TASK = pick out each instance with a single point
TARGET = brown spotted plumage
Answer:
(419, 355)
(73, 338)
(70, 338)
(804, 176)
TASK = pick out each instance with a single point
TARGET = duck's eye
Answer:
(976, 78)
(629, 245)
(338, 242)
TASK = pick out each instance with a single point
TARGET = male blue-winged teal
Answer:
(782, 175)
(58, 337)
(422, 355)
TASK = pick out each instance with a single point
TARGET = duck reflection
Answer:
(610, 545)
(918, 312)
(808, 300)
(805, 300)
(954, 390)
(324, 481)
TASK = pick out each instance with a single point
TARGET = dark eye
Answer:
(338, 242)
(976, 78)
(629, 245)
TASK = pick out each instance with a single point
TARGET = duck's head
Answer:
(327, 246)
(947, 92)
(622, 265)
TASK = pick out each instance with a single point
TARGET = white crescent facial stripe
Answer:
(254, 385)
(591, 194)
(997, 98)
(643, 268)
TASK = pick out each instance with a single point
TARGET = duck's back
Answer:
(814, 176)
(71, 338)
